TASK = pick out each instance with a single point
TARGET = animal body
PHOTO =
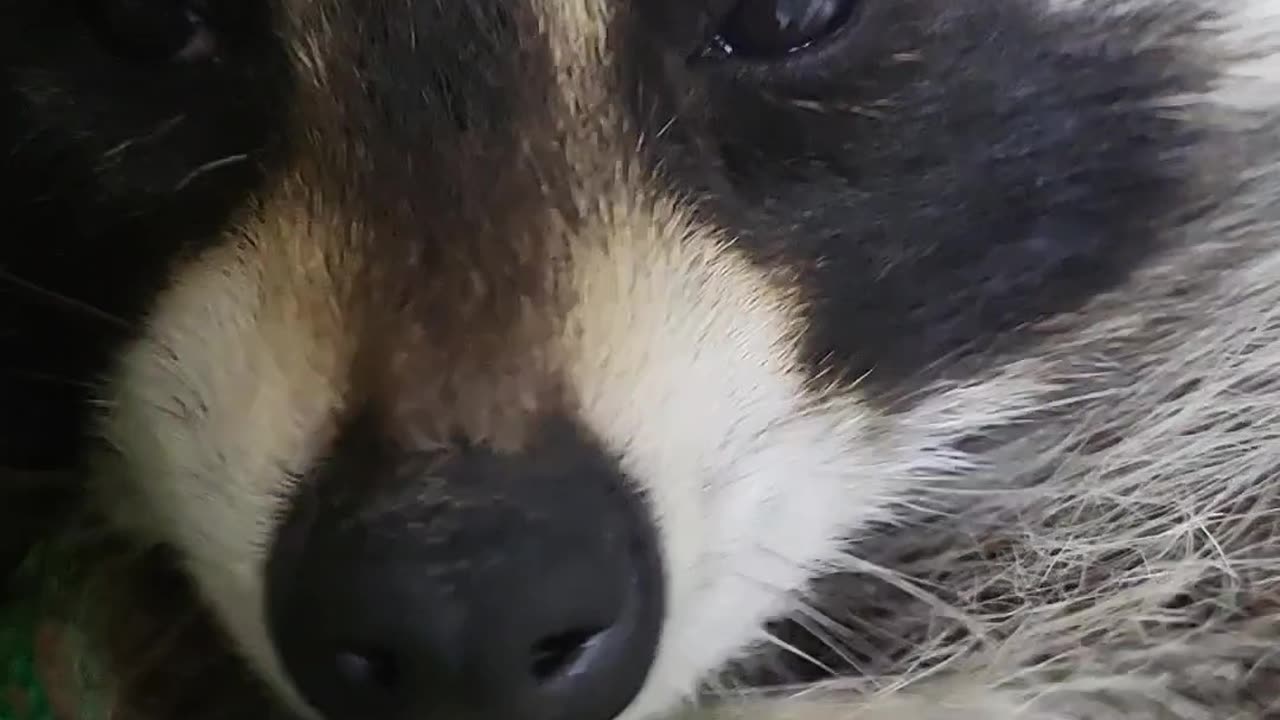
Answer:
(541, 359)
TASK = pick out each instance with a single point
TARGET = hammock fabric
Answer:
(43, 675)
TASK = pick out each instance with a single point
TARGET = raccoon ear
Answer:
(152, 31)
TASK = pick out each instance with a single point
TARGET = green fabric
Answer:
(22, 694)
(19, 683)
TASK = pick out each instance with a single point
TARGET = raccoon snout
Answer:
(524, 586)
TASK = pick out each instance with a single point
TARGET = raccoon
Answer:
(596, 359)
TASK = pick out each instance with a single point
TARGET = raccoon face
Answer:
(524, 357)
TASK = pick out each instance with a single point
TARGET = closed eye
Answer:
(152, 31)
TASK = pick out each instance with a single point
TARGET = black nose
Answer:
(524, 586)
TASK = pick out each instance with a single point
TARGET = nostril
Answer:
(555, 655)
(376, 672)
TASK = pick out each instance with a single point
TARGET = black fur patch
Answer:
(111, 169)
(942, 175)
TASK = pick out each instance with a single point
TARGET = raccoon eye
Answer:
(764, 29)
(152, 30)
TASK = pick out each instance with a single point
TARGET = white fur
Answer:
(223, 402)
(681, 355)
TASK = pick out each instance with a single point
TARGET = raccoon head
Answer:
(523, 358)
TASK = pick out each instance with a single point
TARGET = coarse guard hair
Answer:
(596, 359)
